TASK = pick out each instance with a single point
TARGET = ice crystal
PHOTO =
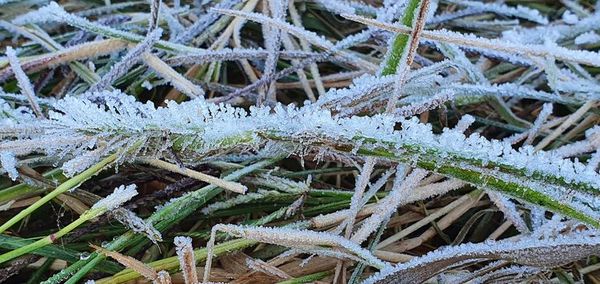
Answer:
(82, 124)
(408, 137)
(137, 224)
(9, 164)
(518, 11)
(570, 18)
(528, 251)
(389, 204)
(587, 38)
(187, 260)
(114, 200)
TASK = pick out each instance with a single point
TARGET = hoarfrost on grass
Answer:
(8, 161)
(114, 200)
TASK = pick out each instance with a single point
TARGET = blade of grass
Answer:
(67, 185)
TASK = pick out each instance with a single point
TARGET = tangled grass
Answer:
(275, 141)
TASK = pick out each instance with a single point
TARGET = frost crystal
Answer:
(208, 127)
(187, 260)
(518, 11)
(587, 38)
(114, 200)
(137, 224)
(570, 18)
(9, 164)
(528, 251)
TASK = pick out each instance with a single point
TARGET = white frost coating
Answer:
(521, 250)
(385, 208)
(10, 117)
(299, 239)
(239, 199)
(114, 200)
(309, 36)
(539, 121)
(187, 260)
(555, 32)
(209, 126)
(471, 41)
(463, 124)
(510, 210)
(505, 90)
(501, 9)
(9, 164)
(147, 85)
(137, 224)
(23, 81)
(127, 62)
(587, 38)
(570, 18)
(428, 104)
(338, 7)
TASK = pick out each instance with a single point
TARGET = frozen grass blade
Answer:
(528, 251)
(532, 50)
(24, 84)
(187, 260)
(503, 119)
(130, 59)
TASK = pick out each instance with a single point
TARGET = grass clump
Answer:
(299, 141)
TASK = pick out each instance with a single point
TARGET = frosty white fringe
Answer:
(197, 128)
(545, 253)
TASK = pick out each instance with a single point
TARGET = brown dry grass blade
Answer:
(146, 271)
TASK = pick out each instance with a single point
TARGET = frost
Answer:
(570, 18)
(114, 200)
(506, 90)
(137, 224)
(147, 85)
(204, 22)
(587, 38)
(122, 121)
(464, 123)
(507, 50)
(501, 9)
(388, 205)
(130, 59)
(272, 44)
(546, 253)
(510, 211)
(420, 133)
(299, 32)
(299, 239)
(240, 199)
(537, 125)
(187, 260)
(23, 81)
(8, 161)
(425, 105)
